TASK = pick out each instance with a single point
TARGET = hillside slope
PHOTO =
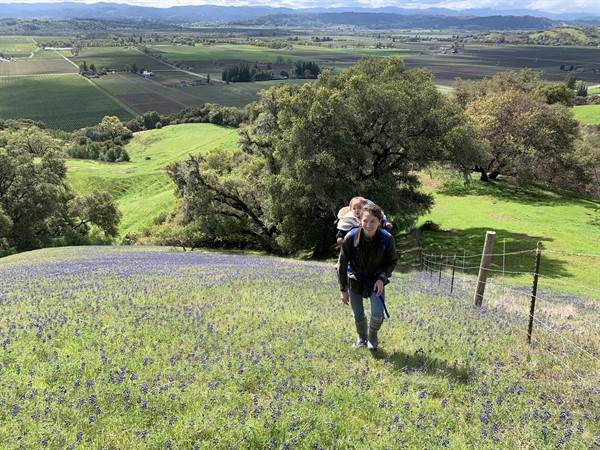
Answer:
(142, 188)
(567, 226)
(130, 347)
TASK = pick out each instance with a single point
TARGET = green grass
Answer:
(65, 101)
(185, 53)
(566, 224)
(588, 114)
(141, 187)
(147, 348)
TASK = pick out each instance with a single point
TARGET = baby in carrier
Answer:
(349, 217)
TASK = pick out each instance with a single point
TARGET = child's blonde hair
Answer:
(354, 200)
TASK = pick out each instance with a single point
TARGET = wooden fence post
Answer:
(441, 263)
(483, 267)
(538, 257)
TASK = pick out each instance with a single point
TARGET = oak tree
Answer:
(307, 150)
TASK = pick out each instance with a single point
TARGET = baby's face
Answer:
(356, 209)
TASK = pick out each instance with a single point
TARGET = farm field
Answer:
(143, 347)
(65, 102)
(38, 67)
(167, 91)
(472, 61)
(17, 46)
(117, 58)
(234, 94)
(27, 47)
(146, 94)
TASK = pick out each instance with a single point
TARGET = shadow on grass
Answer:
(507, 190)
(420, 363)
(513, 253)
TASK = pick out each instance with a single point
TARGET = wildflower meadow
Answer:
(147, 347)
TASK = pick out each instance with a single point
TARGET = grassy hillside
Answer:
(588, 114)
(567, 225)
(149, 348)
(141, 186)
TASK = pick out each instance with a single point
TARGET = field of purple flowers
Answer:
(132, 347)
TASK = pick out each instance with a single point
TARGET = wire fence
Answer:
(565, 325)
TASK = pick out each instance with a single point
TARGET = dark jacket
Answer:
(378, 262)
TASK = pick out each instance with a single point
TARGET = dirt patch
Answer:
(502, 217)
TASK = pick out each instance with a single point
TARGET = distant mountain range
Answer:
(225, 14)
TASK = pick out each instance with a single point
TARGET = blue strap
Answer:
(381, 297)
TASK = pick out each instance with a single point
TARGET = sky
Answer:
(555, 6)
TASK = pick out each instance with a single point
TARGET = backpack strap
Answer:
(386, 239)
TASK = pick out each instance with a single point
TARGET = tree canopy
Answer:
(307, 150)
(529, 126)
(37, 206)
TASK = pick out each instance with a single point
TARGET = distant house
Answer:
(147, 73)
(197, 82)
(58, 48)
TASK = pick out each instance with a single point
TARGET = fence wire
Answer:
(559, 319)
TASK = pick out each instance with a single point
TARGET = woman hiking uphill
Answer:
(367, 259)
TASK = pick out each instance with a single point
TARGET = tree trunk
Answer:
(494, 175)
(482, 171)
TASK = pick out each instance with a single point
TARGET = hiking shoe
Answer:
(360, 343)
(372, 345)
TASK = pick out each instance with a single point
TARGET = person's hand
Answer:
(378, 288)
(340, 240)
(388, 225)
(345, 297)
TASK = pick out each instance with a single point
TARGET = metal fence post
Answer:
(538, 257)
(453, 270)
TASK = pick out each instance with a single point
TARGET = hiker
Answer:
(349, 217)
(367, 259)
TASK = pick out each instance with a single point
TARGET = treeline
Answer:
(244, 72)
(228, 116)
(383, 21)
(574, 35)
